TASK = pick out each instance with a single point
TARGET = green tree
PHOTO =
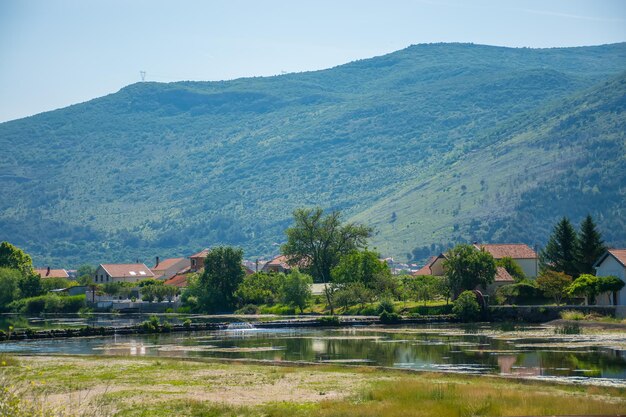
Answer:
(9, 286)
(585, 285)
(561, 251)
(424, 288)
(466, 307)
(554, 284)
(319, 241)
(360, 266)
(30, 285)
(85, 274)
(512, 267)
(260, 288)
(609, 285)
(15, 258)
(466, 267)
(590, 245)
(297, 289)
(223, 273)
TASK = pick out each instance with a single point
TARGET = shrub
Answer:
(572, 315)
(386, 305)
(329, 321)
(151, 325)
(389, 318)
(187, 323)
(248, 309)
(466, 307)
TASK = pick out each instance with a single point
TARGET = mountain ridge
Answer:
(169, 168)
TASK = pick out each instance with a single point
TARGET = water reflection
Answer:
(525, 352)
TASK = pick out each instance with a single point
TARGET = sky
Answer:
(54, 53)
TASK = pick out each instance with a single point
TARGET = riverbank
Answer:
(131, 386)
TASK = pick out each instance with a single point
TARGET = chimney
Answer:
(48, 271)
(157, 262)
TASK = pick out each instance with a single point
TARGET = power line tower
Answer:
(143, 75)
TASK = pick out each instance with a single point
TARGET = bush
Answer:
(386, 305)
(572, 315)
(187, 323)
(49, 303)
(329, 321)
(151, 325)
(466, 307)
(389, 318)
(248, 309)
(278, 309)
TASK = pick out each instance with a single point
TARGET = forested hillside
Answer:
(431, 145)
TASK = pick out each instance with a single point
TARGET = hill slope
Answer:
(165, 169)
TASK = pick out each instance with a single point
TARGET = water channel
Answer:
(525, 351)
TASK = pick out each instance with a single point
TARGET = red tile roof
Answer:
(511, 250)
(619, 254)
(502, 275)
(178, 280)
(202, 254)
(51, 273)
(166, 263)
(128, 270)
(425, 270)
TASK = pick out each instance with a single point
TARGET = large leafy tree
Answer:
(360, 266)
(15, 258)
(466, 267)
(590, 245)
(554, 284)
(317, 242)
(561, 251)
(587, 286)
(223, 273)
(9, 286)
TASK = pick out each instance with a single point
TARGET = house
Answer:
(122, 273)
(613, 262)
(52, 273)
(434, 266)
(277, 264)
(197, 260)
(519, 252)
(167, 268)
(502, 278)
(178, 280)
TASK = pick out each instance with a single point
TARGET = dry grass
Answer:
(103, 386)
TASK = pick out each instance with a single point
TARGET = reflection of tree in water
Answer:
(596, 363)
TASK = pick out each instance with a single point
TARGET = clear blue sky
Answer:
(54, 53)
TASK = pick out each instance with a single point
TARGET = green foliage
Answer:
(609, 285)
(585, 285)
(329, 321)
(215, 288)
(360, 266)
(248, 309)
(48, 284)
(512, 267)
(466, 267)
(387, 317)
(318, 242)
(568, 328)
(9, 287)
(386, 305)
(590, 246)
(424, 287)
(152, 325)
(561, 252)
(297, 289)
(554, 284)
(49, 303)
(466, 307)
(14, 258)
(31, 285)
(260, 288)
(524, 292)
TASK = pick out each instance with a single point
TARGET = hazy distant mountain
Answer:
(432, 145)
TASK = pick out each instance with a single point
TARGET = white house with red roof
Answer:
(122, 273)
(613, 262)
(167, 268)
(519, 252)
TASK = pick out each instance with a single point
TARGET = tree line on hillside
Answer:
(322, 249)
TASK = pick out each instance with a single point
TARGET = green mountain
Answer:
(432, 145)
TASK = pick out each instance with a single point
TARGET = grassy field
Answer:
(131, 386)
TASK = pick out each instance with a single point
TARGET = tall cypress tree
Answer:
(591, 246)
(561, 252)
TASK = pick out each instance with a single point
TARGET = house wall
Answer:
(168, 273)
(529, 266)
(610, 266)
(101, 276)
(196, 263)
(437, 267)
